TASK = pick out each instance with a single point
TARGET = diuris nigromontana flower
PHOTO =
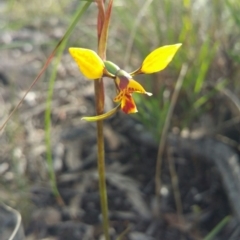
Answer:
(93, 67)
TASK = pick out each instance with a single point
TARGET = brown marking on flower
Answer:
(129, 105)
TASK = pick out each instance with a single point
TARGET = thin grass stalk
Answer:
(60, 50)
(175, 186)
(123, 234)
(50, 167)
(134, 31)
(164, 134)
(218, 228)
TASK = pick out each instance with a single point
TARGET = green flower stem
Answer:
(103, 23)
(102, 30)
(99, 94)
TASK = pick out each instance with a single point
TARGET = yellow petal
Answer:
(159, 58)
(128, 105)
(134, 86)
(90, 64)
(101, 117)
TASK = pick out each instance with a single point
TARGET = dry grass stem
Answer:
(165, 131)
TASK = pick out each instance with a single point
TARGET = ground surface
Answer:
(131, 154)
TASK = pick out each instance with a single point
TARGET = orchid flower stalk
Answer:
(94, 66)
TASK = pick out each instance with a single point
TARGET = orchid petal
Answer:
(125, 82)
(102, 116)
(134, 86)
(159, 58)
(128, 105)
(90, 64)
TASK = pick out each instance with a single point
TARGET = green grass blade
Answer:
(210, 94)
(234, 10)
(60, 50)
(218, 228)
(205, 59)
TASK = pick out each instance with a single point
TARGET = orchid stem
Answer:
(102, 30)
(99, 91)
(102, 180)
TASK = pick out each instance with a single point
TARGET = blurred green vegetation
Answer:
(209, 31)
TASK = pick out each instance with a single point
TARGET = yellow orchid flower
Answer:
(126, 86)
(93, 67)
